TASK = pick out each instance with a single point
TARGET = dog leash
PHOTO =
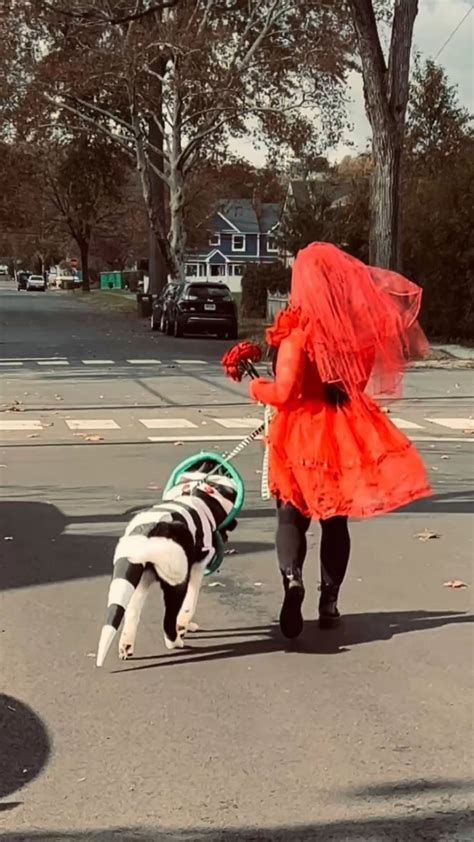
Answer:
(238, 448)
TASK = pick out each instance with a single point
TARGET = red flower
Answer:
(239, 360)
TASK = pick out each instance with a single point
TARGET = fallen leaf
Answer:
(178, 443)
(153, 487)
(8, 538)
(434, 468)
(33, 436)
(216, 585)
(426, 535)
(230, 552)
(455, 583)
(93, 438)
(80, 780)
(445, 457)
(91, 654)
(258, 584)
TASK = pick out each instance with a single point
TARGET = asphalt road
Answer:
(363, 734)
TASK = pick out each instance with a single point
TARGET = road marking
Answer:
(21, 425)
(31, 359)
(52, 362)
(13, 363)
(443, 439)
(402, 424)
(239, 423)
(98, 362)
(453, 423)
(190, 362)
(166, 423)
(183, 439)
(99, 424)
(144, 362)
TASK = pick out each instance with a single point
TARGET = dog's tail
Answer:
(131, 555)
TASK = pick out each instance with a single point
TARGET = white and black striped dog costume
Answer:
(173, 542)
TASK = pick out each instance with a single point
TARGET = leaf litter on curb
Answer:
(426, 535)
(457, 584)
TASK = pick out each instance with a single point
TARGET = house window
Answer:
(215, 240)
(191, 270)
(238, 242)
(272, 245)
(237, 270)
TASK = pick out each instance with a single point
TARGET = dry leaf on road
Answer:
(426, 535)
(455, 583)
(216, 585)
(230, 552)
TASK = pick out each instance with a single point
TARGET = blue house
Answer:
(241, 231)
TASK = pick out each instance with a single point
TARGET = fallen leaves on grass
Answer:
(426, 535)
(455, 583)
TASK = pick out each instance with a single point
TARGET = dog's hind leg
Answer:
(173, 596)
(133, 612)
(188, 608)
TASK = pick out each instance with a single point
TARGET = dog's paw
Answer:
(193, 627)
(174, 644)
(125, 650)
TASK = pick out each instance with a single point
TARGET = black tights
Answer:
(291, 544)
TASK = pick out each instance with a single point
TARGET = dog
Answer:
(172, 543)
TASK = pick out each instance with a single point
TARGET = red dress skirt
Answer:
(329, 461)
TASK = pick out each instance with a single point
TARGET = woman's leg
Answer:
(291, 539)
(335, 552)
(291, 552)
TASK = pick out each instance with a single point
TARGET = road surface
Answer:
(364, 733)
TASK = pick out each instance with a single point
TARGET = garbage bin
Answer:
(144, 307)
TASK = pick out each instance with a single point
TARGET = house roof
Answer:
(249, 218)
(335, 190)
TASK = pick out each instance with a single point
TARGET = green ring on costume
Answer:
(219, 462)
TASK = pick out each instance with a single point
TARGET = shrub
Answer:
(260, 279)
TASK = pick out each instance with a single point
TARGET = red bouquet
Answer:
(240, 360)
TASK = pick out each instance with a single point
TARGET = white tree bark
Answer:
(386, 98)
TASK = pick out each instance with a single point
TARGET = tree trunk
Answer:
(385, 247)
(157, 254)
(386, 98)
(84, 250)
(177, 226)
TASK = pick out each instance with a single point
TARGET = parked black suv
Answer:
(201, 307)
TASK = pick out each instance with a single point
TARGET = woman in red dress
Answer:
(333, 453)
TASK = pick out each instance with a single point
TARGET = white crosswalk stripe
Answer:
(102, 424)
(453, 423)
(98, 362)
(198, 427)
(166, 423)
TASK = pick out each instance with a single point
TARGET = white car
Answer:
(36, 282)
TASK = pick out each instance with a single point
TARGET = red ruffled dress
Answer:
(329, 461)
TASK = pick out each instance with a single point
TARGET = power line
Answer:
(453, 33)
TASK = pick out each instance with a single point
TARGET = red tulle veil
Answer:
(358, 319)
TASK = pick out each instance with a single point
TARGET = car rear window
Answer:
(202, 292)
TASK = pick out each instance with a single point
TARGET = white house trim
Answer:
(215, 236)
(244, 247)
(234, 227)
(216, 251)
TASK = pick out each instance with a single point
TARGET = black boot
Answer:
(291, 618)
(328, 613)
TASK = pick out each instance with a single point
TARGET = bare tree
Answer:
(172, 82)
(386, 85)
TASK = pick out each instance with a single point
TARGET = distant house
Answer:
(241, 231)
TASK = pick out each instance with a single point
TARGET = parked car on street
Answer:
(35, 283)
(21, 279)
(160, 307)
(202, 307)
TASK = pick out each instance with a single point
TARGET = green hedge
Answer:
(258, 280)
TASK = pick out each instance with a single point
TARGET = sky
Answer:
(435, 22)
